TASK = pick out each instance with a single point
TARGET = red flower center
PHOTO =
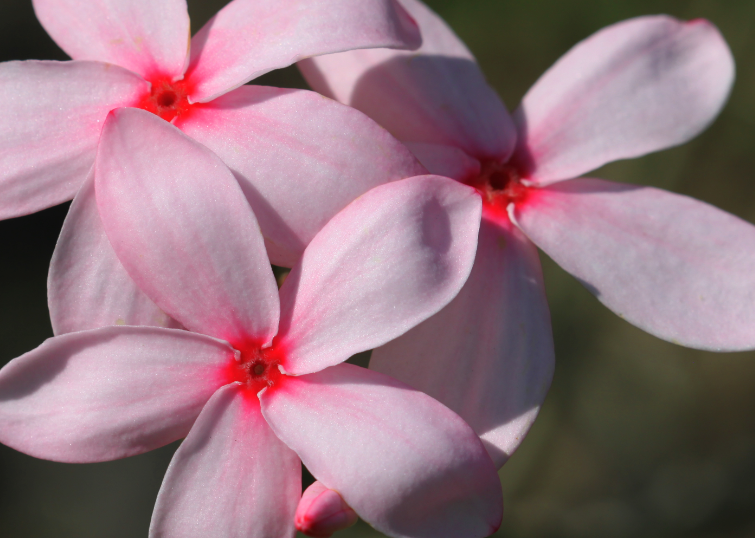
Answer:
(166, 98)
(257, 368)
(500, 185)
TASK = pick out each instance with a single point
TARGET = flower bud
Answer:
(322, 512)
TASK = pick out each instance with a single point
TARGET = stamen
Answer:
(500, 185)
(256, 367)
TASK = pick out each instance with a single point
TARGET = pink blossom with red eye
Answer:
(255, 383)
(675, 267)
(133, 53)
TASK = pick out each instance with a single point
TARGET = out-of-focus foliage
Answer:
(638, 437)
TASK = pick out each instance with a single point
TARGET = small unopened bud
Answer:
(322, 512)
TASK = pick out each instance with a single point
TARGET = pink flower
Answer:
(135, 53)
(287, 148)
(256, 382)
(678, 268)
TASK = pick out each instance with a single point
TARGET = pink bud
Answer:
(322, 512)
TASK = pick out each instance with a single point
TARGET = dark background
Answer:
(638, 437)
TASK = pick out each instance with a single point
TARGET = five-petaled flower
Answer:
(678, 268)
(135, 53)
(256, 380)
(286, 147)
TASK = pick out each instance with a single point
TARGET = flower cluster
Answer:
(408, 204)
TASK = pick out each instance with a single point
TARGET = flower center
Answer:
(256, 368)
(166, 98)
(500, 185)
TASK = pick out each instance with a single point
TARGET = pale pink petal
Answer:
(231, 477)
(300, 158)
(635, 87)
(108, 393)
(87, 287)
(51, 114)
(435, 95)
(183, 230)
(676, 267)
(322, 511)
(248, 38)
(488, 355)
(405, 463)
(146, 36)
(447, 161)
(391, 259)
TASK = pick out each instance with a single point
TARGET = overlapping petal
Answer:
(391, 259)
(87, 286)
(146, 36)
(248, 38)
(436, 94)
(108, 393)
(51, 114)
(446, 161)
(231, 477)
(407, 465)
(676, 267)
(632, 88)
(488, 355)
(183, 230)
(300, 158)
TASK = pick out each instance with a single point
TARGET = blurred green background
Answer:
(638, 437)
